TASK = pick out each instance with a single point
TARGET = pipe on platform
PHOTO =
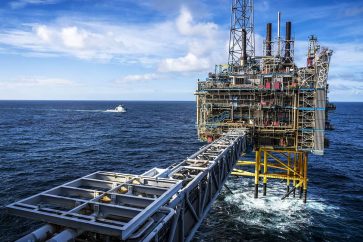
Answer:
(66, 235)
(305, 195)
(39, 235)
(268, 39)
(289, 192)
(288, 40)
(264, 189)
(171, 213)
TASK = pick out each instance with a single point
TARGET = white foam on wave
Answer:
(112, 111)
(86, 110)
(273, 213)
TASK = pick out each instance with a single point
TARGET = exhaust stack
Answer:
(288, 40)
(244, 47)
(268, 39)
(278, 34)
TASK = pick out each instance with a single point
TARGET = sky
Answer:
(156, 49)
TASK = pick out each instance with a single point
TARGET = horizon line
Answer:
(130, 100)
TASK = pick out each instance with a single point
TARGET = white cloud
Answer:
(180, 45)
(137, 78)
(346, 68)
(43, 33)
(186, 25)
(206, 45)
(35, 82)
(24, 3)
(73, 38)
(190, 62)
(96, 40)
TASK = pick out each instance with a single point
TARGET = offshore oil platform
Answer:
(284, 107)
(263, 104)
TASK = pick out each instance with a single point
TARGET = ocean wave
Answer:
(272, 213)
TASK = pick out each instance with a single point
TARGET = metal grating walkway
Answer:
(160, 205)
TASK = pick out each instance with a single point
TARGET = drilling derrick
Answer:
(242, 37)
(284, 107)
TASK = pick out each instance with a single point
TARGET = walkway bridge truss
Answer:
(159, 205)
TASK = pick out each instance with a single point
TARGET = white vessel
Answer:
(118, 109)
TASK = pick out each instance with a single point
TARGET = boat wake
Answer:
(80, 110)
(72, 110)
(112, 111)
(118, 109)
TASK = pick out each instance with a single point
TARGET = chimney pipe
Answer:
(244, 47)
(288, 40)
(278, 34)
(268, 39)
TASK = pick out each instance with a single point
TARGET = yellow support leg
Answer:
(294, 181)
(284, 165)
(265, 167)
(305, 176)
(301, 174)
(288, 173)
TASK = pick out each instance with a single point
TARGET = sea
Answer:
(44, 144)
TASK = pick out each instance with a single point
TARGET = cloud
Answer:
(43, 33)
(206, 45)
(23, 3)
(73, 38)
(198, 8)
(186, 26)
(136, 83)
(187, 63)
(137, 78)
(35, 82)
(345, 74)
(95, 40)
(182, 44)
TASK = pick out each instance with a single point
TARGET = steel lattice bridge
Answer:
(159, 205)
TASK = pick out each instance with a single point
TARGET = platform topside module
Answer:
(285, 106)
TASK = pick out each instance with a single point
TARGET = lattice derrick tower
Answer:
(241, 33)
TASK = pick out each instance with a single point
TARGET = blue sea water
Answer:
(46, 143)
